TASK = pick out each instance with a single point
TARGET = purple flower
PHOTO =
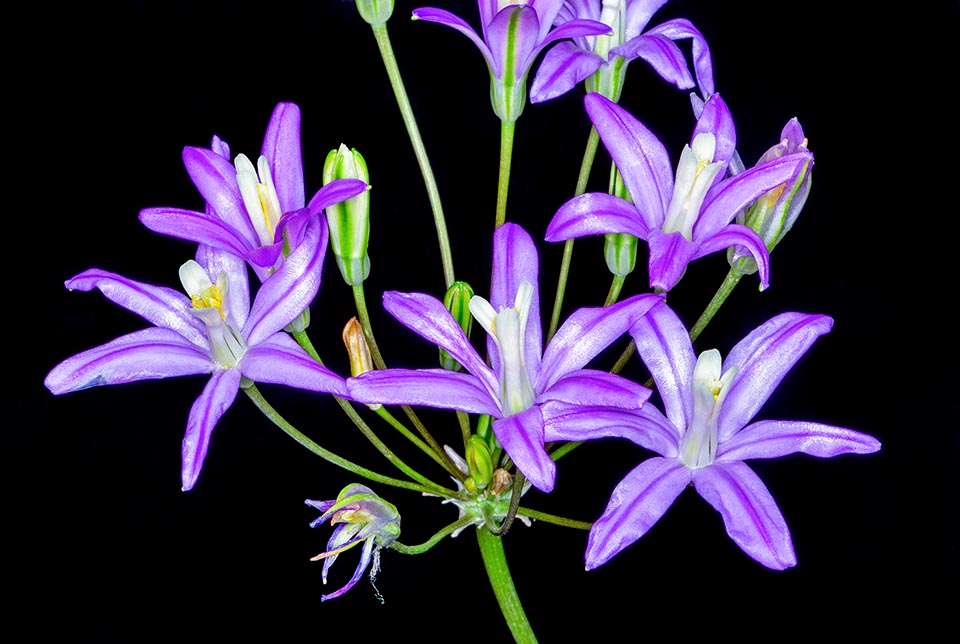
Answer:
(514, 34)
(706, 435)
(213, 331)
(249, 205)
(523, 381)
(602, 60)
(363, 517)
(683, 219)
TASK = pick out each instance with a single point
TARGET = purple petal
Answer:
(639, 13)
(428, 387)
(215, 262)
(521, 435)
(665, 57)
(429, 318)
(773, 438)
(597, 213)
(365, 557)
(640, 157)
(638, 502)
(681, 28)
(514, 40)
(335, 192)
(573, 29)
(216, 179)
(159, 305)
(196, 227)
(738, 235)
(280, 360)
(669, 255)
(281, 147)
(216, 398)
(750, 514)
(664, 346)
(514, 261)
(762, 359)
(144, 355)
(443, 17)
(646, 427)
(600, 388)
(586, 333)
(716, 119)
(289, 291)
(562, 68)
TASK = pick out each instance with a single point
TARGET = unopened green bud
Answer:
(349, 221)
(457, 301)
(375, 12)
(479, 461)
(620, 249)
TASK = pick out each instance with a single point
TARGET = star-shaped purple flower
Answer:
(212, 331)
(524, 382)
(707, 434)
(682, 215)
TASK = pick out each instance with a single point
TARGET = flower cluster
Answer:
(529, 392)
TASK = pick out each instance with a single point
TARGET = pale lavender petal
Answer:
(289, 291)
(159, 305)
(196, 227)
(664, 346)
(639, 13)
(716, 119)
(586, 333)
(574, 29)
(750, 514)
(521, 435)
(597, 213)
(669, 255)
(513, 37)
(335, 192)
(547, 11)
(681, 28)
(762, 359)
(216, 179)
(665, 57)
(732, 195)
(646, 427)
(216, 398)
(215, 262)
(591, 387)
(280, 360)
(773, 438)
(443, 17)
(428, 317)
(562, 68)
(144, 355)
(638, 502)
(428, 387)
(738, 235)
(640, 157)
(281, 147)
(514, 261)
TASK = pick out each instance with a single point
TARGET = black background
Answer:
(106, 546)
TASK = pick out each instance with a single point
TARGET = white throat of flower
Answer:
(696, 172)
(209, 304)
(259, 196)
(508, 329)
(614, 14)
(698, 447)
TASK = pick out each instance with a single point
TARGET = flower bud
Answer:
(774, 213)
(358, 350)
(457, 301)
(479, 461)
(349, 221)
(375, 12)
(620, 249)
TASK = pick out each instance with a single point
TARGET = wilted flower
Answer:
(707, 435)
(212, 330)
(681, 216)
(361, 517)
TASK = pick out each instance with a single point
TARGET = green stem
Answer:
(589, 153)
(615, 287)
(495, 561)
(506, 158)
(554, 519)
(440, 460)
(434, 540)
(729, 283)
(393, 72)
(254, 394)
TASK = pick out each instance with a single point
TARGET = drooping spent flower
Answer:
(601, 61)
(349, 220)
(514, 34)
(773, 214)
(211, 330)
(360, 516)
(682, 216)
(522, 380)
(250, 204)
(706, 435)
